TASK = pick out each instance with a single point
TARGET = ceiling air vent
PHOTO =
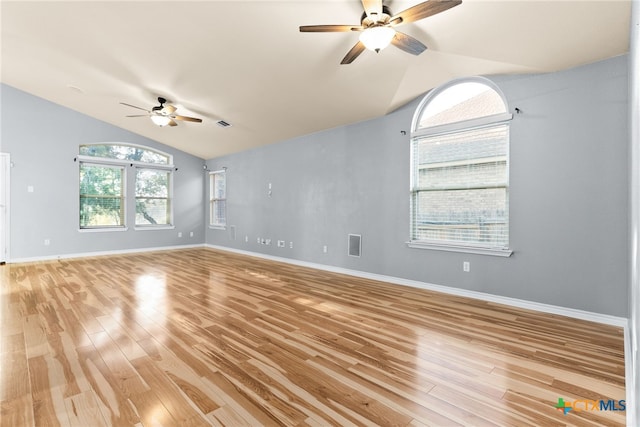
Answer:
(223, 124)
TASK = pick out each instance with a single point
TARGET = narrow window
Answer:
(218, 198)
(460, 169)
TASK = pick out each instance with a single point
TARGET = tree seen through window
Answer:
(104, 171)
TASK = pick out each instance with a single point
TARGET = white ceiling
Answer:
(246, 62)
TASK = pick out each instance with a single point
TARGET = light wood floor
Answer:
(200, 337)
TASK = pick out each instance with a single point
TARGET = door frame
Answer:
(5, 158)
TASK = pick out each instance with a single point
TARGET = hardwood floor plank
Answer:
(14, 369)
(151, 411)
(127, 344)
(200, 337)
(393, 409)
(167, 391)
(46, 405)
(17, 412)
(112, 398)
(300, 398)
(184, 377)
(34, 336)
(219, 386)
(83, 410)
(226, 416)
(128, 378)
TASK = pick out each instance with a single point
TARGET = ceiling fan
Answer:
(163, 115)
(377, 27)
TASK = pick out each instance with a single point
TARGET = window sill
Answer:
(154, 227)
(218, 227)
(465, 249)
(102, 229)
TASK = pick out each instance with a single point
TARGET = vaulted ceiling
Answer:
(245, 62)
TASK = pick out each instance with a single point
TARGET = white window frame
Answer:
(418, 134)
(133, 166)
(92, 228)
(153, 166)
(213, 199)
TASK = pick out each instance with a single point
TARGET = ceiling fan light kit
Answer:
(377, 38)
(377, 27)
(160, 120)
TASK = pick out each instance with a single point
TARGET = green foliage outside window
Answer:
(103, 190)
(152, 197)
(124, 152)
(101, 196)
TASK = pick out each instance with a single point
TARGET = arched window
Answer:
(134, 153)
(460, 169)
(105, 170)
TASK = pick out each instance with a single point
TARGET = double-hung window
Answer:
(106, 170)
(218, 198)
(153, 204)
(102, 195)
(460, 169)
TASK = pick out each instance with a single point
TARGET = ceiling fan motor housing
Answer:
(383, 19)
(158, 108)
(161, 100)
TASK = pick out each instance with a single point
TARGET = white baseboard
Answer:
(102, 253)
(529, 305)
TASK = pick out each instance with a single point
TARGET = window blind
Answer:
(218, 199)
(459, 189)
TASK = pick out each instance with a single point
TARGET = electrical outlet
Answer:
(281, 243)
(47, 242)
(466, 266)
(290, 245)
(246, 239)
(179, 233)
(191, 234)
(325, 249)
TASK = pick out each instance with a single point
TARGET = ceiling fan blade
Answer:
(133, 106)
(353, 53)
(187, 119)
(172, 123)
(168, 109)
(329, 28)
(408, 43)
(423, 10)
(139, 115)
(372, 7)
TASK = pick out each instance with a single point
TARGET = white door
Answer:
(4, 206)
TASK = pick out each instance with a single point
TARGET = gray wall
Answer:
(42, 139)
(568, 196)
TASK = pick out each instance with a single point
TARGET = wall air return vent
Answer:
(355, 244)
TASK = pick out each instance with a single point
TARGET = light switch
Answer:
(30, 188)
